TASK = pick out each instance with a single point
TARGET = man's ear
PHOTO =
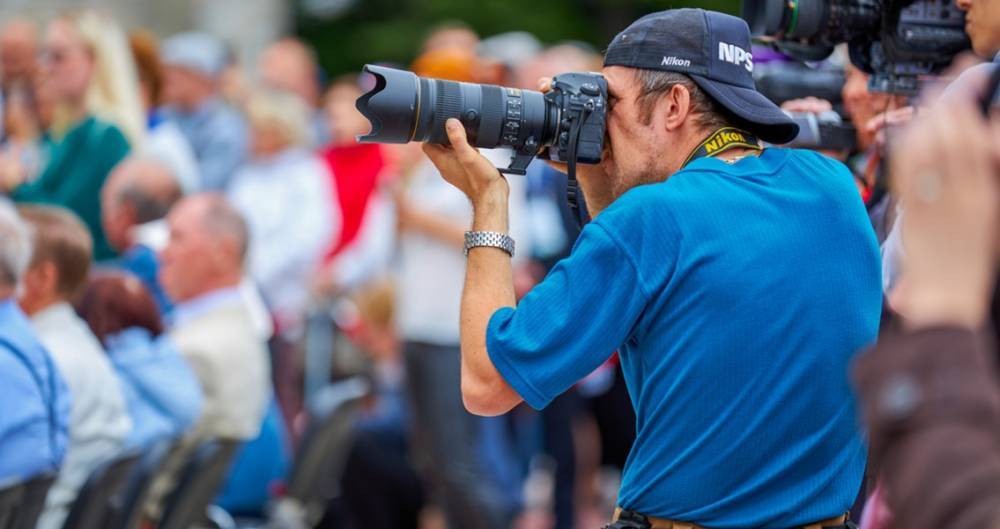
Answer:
(41, 279)
(675, 106)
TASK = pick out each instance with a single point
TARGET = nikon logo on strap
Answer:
(722, 140)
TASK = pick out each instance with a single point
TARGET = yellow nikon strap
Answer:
(721, 141)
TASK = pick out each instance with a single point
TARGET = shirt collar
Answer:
(197, 307)
(55, 315)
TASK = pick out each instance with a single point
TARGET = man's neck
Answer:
(215, 285)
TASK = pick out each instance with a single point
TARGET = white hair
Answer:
(15, 245)
(286, 112)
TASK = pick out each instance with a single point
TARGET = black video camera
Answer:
(569, 120)
(896, 41)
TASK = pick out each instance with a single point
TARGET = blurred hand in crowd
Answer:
(811, 105)
(863, 105)
(814, 105)
(945, 169)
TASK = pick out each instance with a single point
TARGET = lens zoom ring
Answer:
(448, 105)
(494, 109)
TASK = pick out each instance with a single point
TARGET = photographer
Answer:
(736, 284)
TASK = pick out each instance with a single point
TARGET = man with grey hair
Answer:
(201, 269)
(34, 400)
(192, 65)
(136, 197)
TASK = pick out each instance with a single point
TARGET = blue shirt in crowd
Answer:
(219, 137)
(34, 402)
(141, 261)
(737, 296)
(163, 395)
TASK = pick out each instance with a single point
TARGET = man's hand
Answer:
(465, 168)
(945, 168)
(809, 105)
(489, 283)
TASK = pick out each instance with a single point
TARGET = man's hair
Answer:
(15, 245)
(653, 83)
(221, 219)
(60, 239)
(150, 195)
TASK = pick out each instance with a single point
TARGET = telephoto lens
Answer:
(403, 108)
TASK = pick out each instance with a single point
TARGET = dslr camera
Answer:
(898, 42)
(569, 120)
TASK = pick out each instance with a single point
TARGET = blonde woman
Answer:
(97, 119)
(284, 193)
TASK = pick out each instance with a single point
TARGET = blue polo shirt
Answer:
(737, 296)
(34, 402)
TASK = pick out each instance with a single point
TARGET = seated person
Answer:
(99, 421)
(200, 270)
(34, 401)
(135, 198)
(161, 391)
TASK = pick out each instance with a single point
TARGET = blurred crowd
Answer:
(201, 246)
(195, 245)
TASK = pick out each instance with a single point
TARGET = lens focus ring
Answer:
(448, 105)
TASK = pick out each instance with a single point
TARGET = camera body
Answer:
(569, 120)
(582, 100)
(896, 41)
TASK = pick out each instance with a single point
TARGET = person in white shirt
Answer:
(99, 420)
(200, 269)
(284, 193)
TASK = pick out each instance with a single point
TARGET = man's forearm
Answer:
(489, 286)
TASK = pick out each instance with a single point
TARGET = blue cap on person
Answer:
(197, 51)
(714, 50)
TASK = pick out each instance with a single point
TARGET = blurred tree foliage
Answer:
(392, 30)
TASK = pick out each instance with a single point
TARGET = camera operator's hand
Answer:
(811, 105)
(468, 170)
(946, 168)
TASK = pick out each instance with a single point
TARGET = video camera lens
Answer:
(403, 107)
(820, 21)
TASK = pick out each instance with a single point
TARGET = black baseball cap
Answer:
(714, 50)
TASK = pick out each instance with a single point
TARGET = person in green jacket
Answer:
(91, 130)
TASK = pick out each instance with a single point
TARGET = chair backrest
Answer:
(198, 485)
(127, 510)
(322, 454)
(95, 503)
(32, 501)
(10, 498)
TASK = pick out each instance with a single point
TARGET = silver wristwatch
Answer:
(493, 239)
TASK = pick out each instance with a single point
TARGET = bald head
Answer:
(138, 190)
(18, 50)
(208, 243)
(290, 65)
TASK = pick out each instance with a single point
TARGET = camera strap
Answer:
(723, 140)
(572, 186)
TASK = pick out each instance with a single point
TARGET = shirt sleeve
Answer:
(931, 396)
(571, 322)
